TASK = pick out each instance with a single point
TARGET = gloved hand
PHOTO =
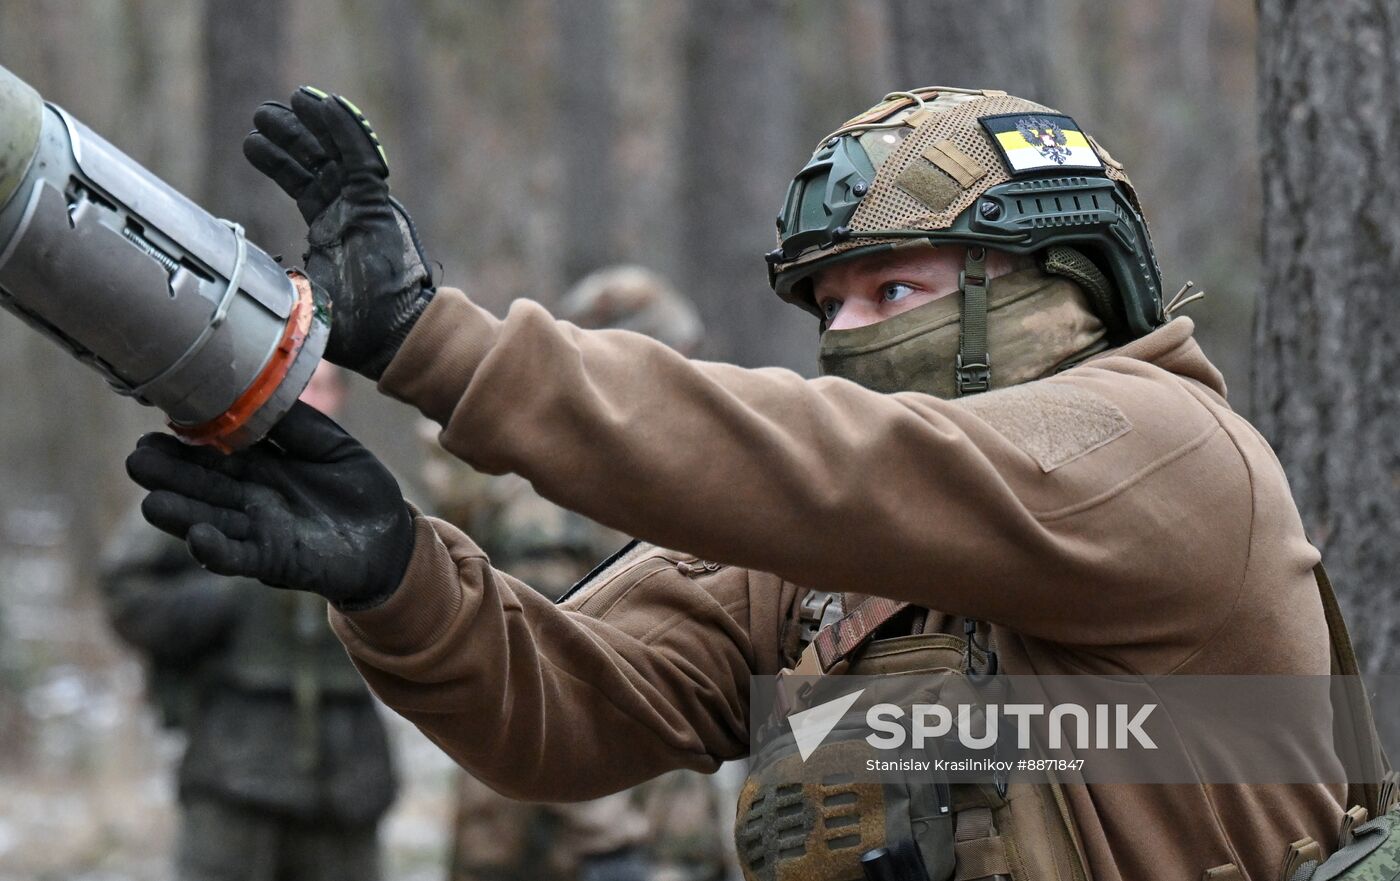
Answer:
(308, 508)
(363, 249)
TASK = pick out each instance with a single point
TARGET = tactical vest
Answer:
(840, 829)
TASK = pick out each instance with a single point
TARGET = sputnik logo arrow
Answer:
(810, 727)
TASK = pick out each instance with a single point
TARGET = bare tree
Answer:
(740, 148)
(588, 133)
(993, 44)
(651, 103)
(244, 53)
(1327, 332)
(400, 88)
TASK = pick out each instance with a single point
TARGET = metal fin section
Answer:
(172, 305)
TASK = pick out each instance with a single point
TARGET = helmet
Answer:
(980, 169)
(636, 299)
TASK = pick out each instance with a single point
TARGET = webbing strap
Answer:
(836, 643)
(973, 370)
(1355, 816)
(1361, 734)
(1343, 654)
(1301, 860)
(978, 851)
(973, 823)
(980, 858)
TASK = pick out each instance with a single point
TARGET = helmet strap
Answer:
(973, 368)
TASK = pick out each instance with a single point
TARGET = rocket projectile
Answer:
(173, 306)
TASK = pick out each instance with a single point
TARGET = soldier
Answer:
(286, 772)
(1011, 438)
(636, 834)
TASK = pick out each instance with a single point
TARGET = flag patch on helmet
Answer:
(1031, 142)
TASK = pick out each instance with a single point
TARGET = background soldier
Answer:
(666, 829)
(287, 769)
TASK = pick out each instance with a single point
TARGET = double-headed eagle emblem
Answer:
(1045, 136)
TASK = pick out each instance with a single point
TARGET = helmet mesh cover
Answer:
(888, 206)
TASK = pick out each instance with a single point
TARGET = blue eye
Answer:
(895, 291)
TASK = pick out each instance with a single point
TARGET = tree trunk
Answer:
(1327, 330)
(245, 60)
(402, 80)
(588, 126)
(650, 105)
(739, 150)
(993, 44)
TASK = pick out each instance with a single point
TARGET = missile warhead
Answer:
(173, 306)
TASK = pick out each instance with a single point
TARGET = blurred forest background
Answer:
(534, 141)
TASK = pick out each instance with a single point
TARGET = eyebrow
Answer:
(888, 261)
(905, 254)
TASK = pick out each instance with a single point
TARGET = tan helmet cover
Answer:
(933, 158)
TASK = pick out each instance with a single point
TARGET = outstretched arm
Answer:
(645, 671)
(1021, 507)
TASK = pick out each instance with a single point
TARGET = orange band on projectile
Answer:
(220, 431)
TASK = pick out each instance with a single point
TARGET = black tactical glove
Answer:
(308, 508)
(363, 249)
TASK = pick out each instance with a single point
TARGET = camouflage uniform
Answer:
(287, 769)
(673, 820)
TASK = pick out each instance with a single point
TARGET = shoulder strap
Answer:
(836, 643)
(1343, 655)
(1356, 729)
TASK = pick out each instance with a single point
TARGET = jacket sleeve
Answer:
(1022, 507)
(645, 672)
(159, 600)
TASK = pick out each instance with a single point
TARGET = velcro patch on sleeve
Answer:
(1035, 142)
(1051, 422)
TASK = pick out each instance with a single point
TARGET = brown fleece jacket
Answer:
(1118, 517)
